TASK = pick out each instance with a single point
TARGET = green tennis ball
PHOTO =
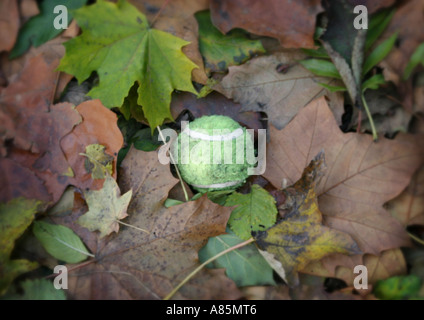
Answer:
(211, 153)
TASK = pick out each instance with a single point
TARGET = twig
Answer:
(176, 167)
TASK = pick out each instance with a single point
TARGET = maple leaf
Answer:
(106, 206)
(272, 18)
(118, 43)
(255, 211)
(258, 86)
(137, 265)
(98, 163)
(300, 237)
(362, 175)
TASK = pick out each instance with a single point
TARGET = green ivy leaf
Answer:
(39, 29)
(221, 51)
(119, 45)
(60, 241)
(37, 289)
(255, 211)
(245, 266)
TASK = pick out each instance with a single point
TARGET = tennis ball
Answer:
(210, 153)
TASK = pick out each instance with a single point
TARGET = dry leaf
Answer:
(300, 236)
(408, 207)
(136, 265)
(272, 18)
(258, 86)
(362, 175)
(9, 24)
(106, 206)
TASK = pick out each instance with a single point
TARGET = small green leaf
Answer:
(143, 140)
(397, 288)
(245, 266)
(416, 58)
(39, 29)
(221, 51)
(321, 68)
(255, 211)
(332, 88)
(378, 23)
(374, 82)
(37, 289)
(378, 54)
(61, 242)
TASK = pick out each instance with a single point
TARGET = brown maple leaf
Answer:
(362, 175)
(137, 265)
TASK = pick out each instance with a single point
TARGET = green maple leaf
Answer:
(119, 45)
(255, 211)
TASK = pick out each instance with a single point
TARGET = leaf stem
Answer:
(159, 12)
(367, 110)
(420, 241)
(186, 279)
(129, 225)
(176, 167)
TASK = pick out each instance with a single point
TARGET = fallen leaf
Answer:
(37, 125)
(255, 211)
(37, 289)
(126, 52)
(280, 292)
(60, 241)
(362, 175)
(299, 237)
(245, 266)
(39, 29)
(272, 18)
(98, 163)
(221, 51)
(15, 217)
(258, 86)
(136, 265)
(398, 288)
(386, 264)
(106, 207)
(177, 17)
(99, 126)
(9, 24)
(214, 104)
(408, 207)
(407, 18)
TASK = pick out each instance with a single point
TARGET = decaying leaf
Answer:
(300, 236)
(9, 24)
(258, 86)
(408, 207)
(106, 206)
(221, 51)
(98, 163)
(137, 265)
(362, 175)
(15, 217)
(255, 211)
(272, 18)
